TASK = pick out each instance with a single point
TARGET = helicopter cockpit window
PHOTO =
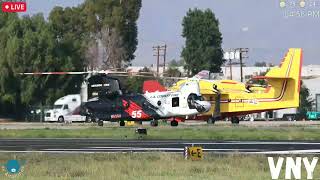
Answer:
(200, 98)
(175, 102)
(191, 100)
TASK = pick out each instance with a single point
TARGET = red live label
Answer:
(14, 7)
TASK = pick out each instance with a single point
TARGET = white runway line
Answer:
(119, 149)
(214, 151)
(144, 149)
(108, 147)
(84, 152)
(252, 143)
(309, 151)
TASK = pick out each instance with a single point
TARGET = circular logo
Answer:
(282, 4)
(13, 167)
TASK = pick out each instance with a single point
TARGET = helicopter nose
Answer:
(204, 106)
(207, 106)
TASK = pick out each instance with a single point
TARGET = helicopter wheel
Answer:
(100, 123)
(88, 119)
(235, 120)
(211, 120)
(122, 123)
(174, 123)
(60, 119)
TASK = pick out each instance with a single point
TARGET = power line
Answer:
(237, 54)
(160, 51)
(243, 55)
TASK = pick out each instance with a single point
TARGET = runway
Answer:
(66, 145)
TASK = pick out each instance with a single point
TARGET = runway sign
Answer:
(194, 153)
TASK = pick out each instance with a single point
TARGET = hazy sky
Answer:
(262, 26)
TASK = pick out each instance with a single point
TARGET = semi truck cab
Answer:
(65, 108)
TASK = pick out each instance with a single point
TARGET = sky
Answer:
(262, 26)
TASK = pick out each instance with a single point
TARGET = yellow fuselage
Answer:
(237, 98)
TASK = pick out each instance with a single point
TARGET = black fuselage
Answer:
(123, 107)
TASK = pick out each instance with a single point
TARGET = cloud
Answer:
(245, 29)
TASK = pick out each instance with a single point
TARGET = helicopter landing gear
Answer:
(174, 123)
(100, 122)
(154, 123)
(211, 120)
(88, 119)
(235, 120)
(122, 123)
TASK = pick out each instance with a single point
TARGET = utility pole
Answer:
(229, 55)
(230, 65)
(164, 57)
(236, 54)
(160, 51)
(243, 51)
(156, 49)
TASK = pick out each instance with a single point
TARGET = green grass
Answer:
(195, 132)
(142, 166)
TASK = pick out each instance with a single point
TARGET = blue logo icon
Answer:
(13, 167)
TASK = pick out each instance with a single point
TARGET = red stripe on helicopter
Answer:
(134, 110)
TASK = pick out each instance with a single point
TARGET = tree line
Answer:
(67, 40)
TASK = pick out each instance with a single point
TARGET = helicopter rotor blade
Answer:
(54, 73)
(72, 73)
(109, 72)
(115, 73)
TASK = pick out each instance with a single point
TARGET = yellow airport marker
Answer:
(194, 153)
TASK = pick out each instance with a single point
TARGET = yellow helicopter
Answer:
(232, 99)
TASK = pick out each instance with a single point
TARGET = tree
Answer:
(145, 69)
(175, 63)
(115, 53)
(134, 84)
(114, 23)
(305, 100)
(260, 64)
(67, 41)
(31, 44)
(92, 55)
(202, 49)
(173, 72)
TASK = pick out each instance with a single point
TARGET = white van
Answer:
(66, 109)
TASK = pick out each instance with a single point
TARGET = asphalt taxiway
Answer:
(67, 145)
